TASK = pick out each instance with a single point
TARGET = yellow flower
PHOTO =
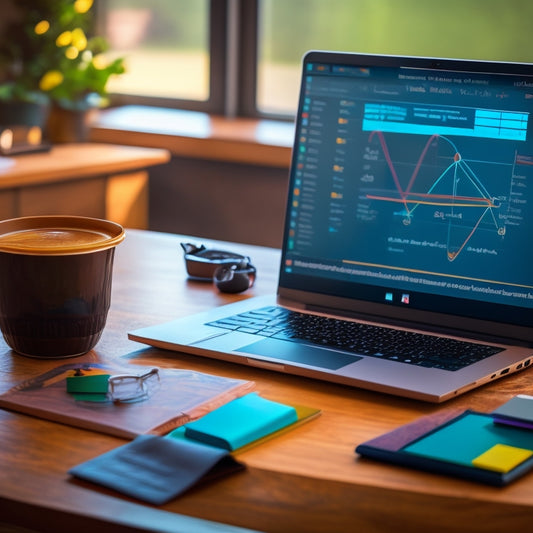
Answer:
(100, 62)
(78, 39)
(64, 39)
(41, 27)
(50, 80)
(71, 52)
(82, 6)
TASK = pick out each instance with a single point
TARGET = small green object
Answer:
(97, 384)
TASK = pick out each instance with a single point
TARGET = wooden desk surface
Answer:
(308, 480)
(77, 160)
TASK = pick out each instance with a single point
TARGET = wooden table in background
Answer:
(308, 480)
(87, 179)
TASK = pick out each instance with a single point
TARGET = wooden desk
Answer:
(88, 179)
(308, 480)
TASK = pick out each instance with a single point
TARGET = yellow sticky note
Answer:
(502, 458)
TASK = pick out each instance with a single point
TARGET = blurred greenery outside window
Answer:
(165, 43)
(168, 46)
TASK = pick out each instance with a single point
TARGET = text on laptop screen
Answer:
(410, 184)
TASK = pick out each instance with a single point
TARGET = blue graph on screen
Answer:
(439, 184)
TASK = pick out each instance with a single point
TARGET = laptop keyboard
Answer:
(361, 339)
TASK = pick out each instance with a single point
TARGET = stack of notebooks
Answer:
(244, 422)
(156, 469)
(493, 448)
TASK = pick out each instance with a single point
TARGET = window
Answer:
(476, 29)
(242, 57)
(167, 45)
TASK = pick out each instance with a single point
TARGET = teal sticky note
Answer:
(241, 421)
(468, 437)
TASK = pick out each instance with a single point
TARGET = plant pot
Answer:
(19, 113)
(68, 125)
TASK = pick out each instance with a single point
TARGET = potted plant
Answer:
(22, 66)
(48, 55)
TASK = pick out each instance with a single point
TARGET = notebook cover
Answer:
(518, 411)
(391, 447)
(156, 469)
(241, 421)
(182, 396)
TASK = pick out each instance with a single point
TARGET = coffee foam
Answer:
(52, 238)
(56, 235)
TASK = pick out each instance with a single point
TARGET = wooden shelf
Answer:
(68, 162)
(197, 135)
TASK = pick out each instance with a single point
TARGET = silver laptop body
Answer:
(409, 206)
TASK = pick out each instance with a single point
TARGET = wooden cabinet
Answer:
(88, 179)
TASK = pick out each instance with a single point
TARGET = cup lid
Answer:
(58, 235)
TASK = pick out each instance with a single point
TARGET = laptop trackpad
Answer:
(300, 353)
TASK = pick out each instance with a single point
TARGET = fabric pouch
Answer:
(156, 469)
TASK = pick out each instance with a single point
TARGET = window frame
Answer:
(248, 55)
(233, 52)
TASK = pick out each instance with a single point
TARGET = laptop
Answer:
(409, 213)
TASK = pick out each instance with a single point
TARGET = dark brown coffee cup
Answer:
(55, 283)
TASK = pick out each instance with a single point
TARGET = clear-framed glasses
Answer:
(127, 388)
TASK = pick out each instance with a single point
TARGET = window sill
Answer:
(197, 135)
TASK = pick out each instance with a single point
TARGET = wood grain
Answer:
(78, 161)
(88, 179)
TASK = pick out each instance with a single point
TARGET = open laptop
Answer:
(410, 205)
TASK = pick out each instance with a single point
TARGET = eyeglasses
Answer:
(126, 388)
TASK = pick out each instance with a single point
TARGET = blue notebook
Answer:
(465, 444)
(518, 411)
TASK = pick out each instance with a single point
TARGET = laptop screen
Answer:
(412, 187)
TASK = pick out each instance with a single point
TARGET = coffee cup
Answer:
(55, 283)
